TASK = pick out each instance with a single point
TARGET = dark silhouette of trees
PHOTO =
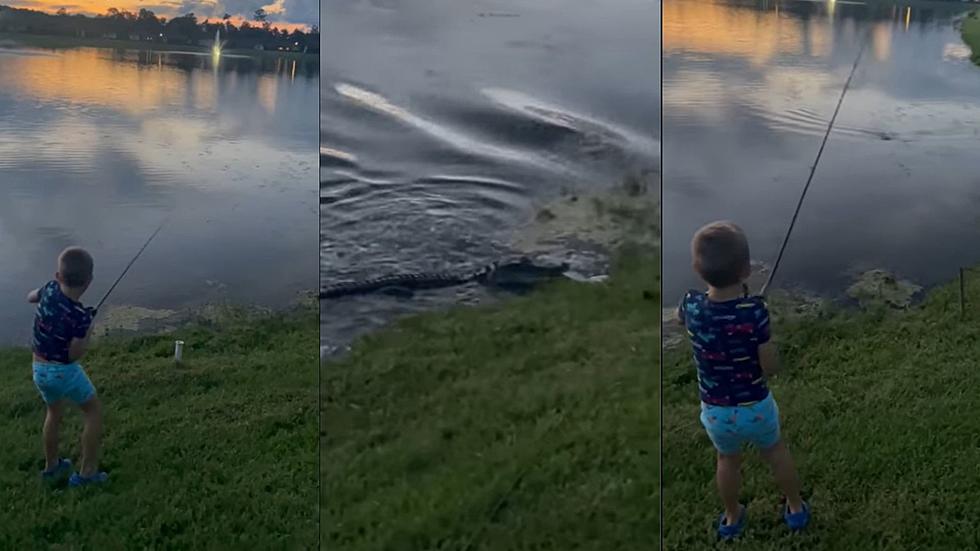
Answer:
(146, 26)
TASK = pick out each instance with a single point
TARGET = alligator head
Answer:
(520, 274)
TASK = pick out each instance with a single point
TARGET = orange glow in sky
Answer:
(165, 8)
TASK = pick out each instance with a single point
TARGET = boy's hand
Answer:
(92, 311)
(34, 296)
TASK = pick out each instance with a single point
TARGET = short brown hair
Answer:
(75, 265)
(721, 253)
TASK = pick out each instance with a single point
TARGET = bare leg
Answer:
(91, 436)
(784, 471)
(729, 479)
(52, 426)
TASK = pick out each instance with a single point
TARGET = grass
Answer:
(880, 410)
(217, 453)
(59, 41)
(530, 424)
(971, 34)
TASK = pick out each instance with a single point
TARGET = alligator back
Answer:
(413, 281)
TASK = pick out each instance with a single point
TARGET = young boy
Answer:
(62, 328)
(729, 332)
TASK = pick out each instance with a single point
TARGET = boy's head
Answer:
(721, 254)
(75, 267)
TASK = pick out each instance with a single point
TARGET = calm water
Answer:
(444, 123)
(98, 147)
(748, 90)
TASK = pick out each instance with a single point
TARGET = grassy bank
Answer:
(58, 42)
(971, 34)
(217, 453)
(530, 424)
(882, 414)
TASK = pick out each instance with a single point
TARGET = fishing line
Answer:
(813, 168)
(131, 262)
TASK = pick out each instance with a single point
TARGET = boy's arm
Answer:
(768, 354)
(769, 358)
(79, 344)
(34, 296)
(679, 313)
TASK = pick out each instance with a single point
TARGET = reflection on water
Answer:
(98, 146)
(442, 131)
(748, 89)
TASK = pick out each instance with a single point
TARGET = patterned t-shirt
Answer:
(58, 320)
(725, 337)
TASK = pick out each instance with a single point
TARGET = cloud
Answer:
(302, 11)
(279, 11)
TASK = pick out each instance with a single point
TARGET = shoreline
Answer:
(503, 411)
(57, 42)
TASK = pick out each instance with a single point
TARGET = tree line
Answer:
(145, 25)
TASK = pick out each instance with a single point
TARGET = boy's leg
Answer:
(91, 436)
(52, 426)
(729, 479)
(784, 470)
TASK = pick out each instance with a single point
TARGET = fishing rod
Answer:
(131, 262)
(813, 168)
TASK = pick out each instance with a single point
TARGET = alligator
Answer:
(515, 276)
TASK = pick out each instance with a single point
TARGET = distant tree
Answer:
(183, 29)
(62, 12)
(148, 25)
(260, 15)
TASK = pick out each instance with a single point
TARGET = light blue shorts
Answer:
(731, 427)
(59, 381)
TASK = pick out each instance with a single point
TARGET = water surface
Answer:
(97, 147)
(444, 125)
(748, 90)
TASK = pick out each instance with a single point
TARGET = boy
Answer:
(62, 328)
(729, 333)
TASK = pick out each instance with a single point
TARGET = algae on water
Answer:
(605, 221)
(880, 288)
(134, 318)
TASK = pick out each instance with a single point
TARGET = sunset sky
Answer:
(282, 13)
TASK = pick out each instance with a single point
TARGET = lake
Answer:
(445, 125)
(749, 88)
(98, 147)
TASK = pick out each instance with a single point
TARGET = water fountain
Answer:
(216, 48)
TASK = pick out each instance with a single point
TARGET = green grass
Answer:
(530, 424)
(217, 453)
(971, 34)
(59, 42)
(882, 413)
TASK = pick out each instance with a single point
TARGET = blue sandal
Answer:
(797, 521)
(78, 480)
(729, 532)
(58, 470)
